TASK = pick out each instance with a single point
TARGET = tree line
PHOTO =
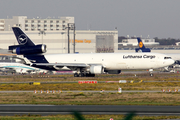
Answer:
(162, 41)
(167, 41)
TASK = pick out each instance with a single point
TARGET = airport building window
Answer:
(57, 21)
(18, 25)
(32, 21)
(45, 21)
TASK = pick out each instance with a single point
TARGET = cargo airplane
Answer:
(85, 64)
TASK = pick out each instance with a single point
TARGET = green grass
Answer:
(86, 117)
(91, 98)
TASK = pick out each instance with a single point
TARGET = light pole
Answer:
(72, 27)
(62, 41)
(42, 32)
(68, 39)
(74, 37)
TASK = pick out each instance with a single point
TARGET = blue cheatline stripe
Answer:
(18, 67)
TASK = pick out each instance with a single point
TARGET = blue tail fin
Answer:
(141, 48)
(26, 46)
(21, 37)
(140, 43)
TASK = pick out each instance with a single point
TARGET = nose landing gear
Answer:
(151, 72)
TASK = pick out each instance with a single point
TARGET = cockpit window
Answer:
(167, 58)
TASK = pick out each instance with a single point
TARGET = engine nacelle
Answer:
(29, 50)
(96, 69)
(113, 71)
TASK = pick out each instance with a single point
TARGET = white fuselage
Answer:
(114, 61)
(174, 56)
(18, 67)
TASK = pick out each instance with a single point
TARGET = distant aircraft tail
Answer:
(26, 46)
(141, 48)
(140, 43)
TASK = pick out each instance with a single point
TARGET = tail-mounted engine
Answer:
(25, 50)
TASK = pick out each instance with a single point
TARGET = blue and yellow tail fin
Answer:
(141, 48)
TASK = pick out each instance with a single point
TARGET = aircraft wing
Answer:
(62, 64)
(59, 66)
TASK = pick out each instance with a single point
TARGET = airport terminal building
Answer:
(54, 33)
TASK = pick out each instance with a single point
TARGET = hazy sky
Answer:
(156, 18)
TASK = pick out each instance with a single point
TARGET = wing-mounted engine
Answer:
(25, 50)
(96, 69)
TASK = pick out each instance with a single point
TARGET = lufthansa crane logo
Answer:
(140, 44)
(22, 39)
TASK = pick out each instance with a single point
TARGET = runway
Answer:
(62, 82)
(88, 91)
(87, 109)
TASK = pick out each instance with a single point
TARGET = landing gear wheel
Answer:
(90, 75)
(76, 75)
(151, 74)
(82, 74)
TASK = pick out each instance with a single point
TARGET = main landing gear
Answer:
(82, 72)
(83, 75)
(151, 72)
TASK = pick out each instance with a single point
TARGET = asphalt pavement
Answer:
(88, 109)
